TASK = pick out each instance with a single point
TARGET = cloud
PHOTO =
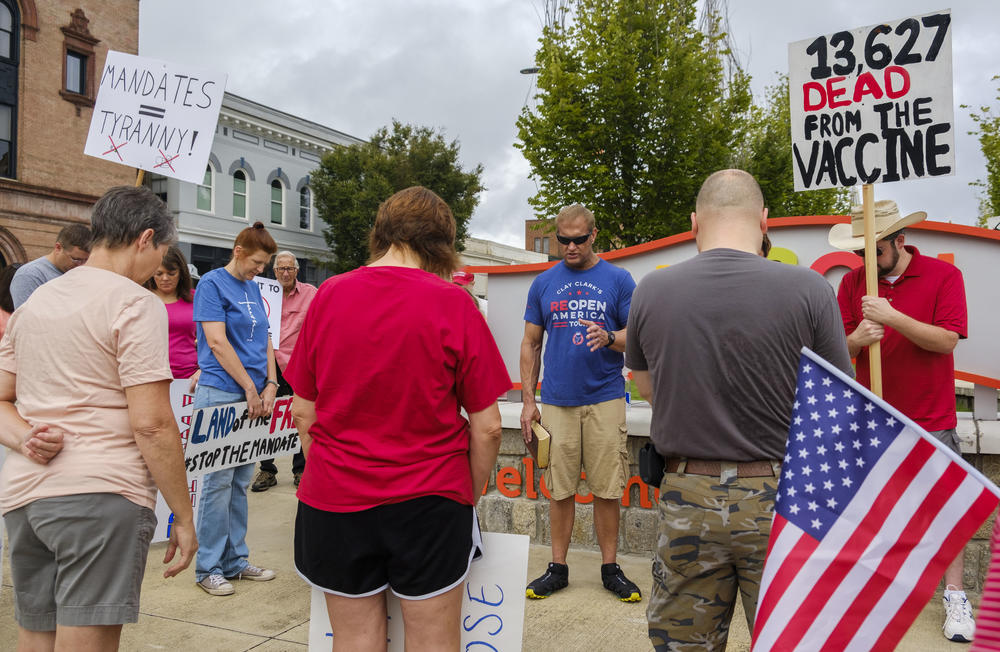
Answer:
(355, 66)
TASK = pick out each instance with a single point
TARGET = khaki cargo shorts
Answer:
(592, 437)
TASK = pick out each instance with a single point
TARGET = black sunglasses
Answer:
(565, 240)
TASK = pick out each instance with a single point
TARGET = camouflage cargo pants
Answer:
(713, 534)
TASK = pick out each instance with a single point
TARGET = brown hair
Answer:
(174, 261)
(75, 235)
(416, 218)
(256, 238)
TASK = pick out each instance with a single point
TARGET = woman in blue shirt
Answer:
(237, 364)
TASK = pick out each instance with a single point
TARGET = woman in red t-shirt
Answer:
(172, 284)
(388, 357)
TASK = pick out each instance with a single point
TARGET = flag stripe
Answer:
(988, 618)
(869, 512)
(794, 547)
(886, 572)
(926, 564)
(953, 544)
(839, 600)
(849, 554)
(792, 594)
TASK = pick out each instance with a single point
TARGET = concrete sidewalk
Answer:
(273, 616)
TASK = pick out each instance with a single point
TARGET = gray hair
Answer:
(124, 212)
(286, 254)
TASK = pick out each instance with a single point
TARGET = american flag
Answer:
(869, 513)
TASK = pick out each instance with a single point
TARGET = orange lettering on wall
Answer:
(584, 499)
(529, 477)
(507, 476)
(643, 493)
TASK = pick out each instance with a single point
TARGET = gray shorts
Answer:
(78, 560)
(947, 437)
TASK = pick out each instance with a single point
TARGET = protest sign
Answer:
(180, 402)
(224, 436)
(492, 602)
(273, 295)
(156, 116)
(873, 104)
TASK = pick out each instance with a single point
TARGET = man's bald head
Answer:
(730, 192)
(729, 212)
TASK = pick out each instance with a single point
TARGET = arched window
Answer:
(305, 208)
(277, 202)
(240, 194)
(9, 40)
(206, 191)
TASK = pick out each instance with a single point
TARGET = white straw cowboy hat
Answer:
(887, 220)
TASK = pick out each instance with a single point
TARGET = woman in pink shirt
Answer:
(172, 285)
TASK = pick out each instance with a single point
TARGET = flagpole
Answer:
(871, 283)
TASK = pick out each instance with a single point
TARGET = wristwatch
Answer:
(611, 338)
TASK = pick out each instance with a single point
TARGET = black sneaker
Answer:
(616, 582)
(555, 578)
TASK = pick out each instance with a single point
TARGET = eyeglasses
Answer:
(286, 269)
(77, 261)
(565, 240)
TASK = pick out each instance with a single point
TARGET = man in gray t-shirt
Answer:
(713, 343)
(72, 249)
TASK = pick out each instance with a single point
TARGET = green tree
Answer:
(352, 181)
(633, 112)
(767, 154)
(988, 130)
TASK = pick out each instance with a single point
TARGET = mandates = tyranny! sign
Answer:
(873, 104)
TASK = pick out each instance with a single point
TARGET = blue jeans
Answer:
(222, 516)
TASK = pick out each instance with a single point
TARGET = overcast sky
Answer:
(453, 65)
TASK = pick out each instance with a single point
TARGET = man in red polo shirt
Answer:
(295, 302)
(919, 316)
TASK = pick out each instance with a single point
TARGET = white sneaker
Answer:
(255, 573)
(216, 585)
(959, 625)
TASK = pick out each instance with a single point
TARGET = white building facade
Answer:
(259, 169)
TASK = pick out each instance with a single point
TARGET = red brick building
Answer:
(50, 55)
(540, 236)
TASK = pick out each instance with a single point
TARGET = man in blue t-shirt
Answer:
(582, 304)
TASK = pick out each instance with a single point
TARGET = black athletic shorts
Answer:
(418, 548)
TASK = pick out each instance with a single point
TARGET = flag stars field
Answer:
(894, 498)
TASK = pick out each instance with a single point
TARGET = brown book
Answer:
(539, 445)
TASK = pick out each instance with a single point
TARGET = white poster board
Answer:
(873, 104)
(273, 296)
(222, 437)
(180, 402)
(492, 604)
(156, 116)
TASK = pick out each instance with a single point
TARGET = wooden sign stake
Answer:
(139, 176)
(871, 282)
